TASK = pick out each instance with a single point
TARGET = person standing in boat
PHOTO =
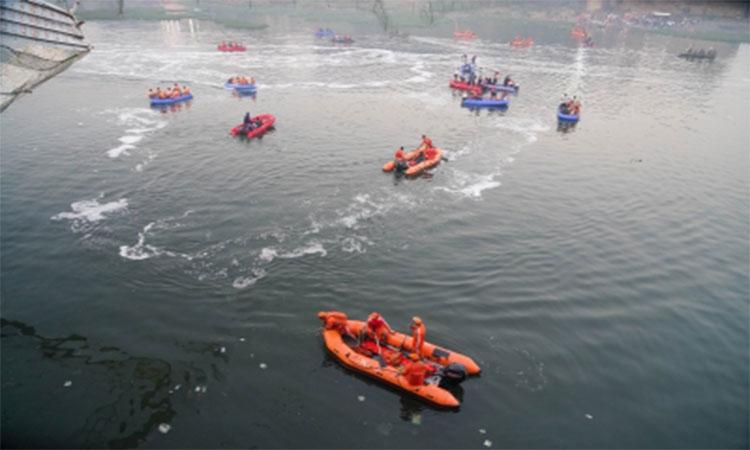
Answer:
(418, 332)
(248, 124)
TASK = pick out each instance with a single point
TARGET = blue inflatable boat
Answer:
(501, 87)
(241, 87)
(324, 33)
(484, 103)
(566, 117)
(170, 101)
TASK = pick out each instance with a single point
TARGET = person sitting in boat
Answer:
(495, 78)
(248, 124)
(162, 94)
(575, 108)
(417, 372)
(377, 328)
(400, 160)
(508, 81)
(564, 101)
(151, 93)
(337, 321)
(185, 90)
(430, 153)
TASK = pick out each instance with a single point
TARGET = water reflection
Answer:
(566, 127)
(174, 107)
(138, 393)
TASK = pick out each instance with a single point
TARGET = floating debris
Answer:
(589, 416)
(242, 339)
(177, 387)
(361, 398)
(482, 431)
(263, 366)
(487, 443)
(416, 419)
(223, 350)
(68, 384)
(164, 428)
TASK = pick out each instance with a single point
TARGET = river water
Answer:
(156, 271)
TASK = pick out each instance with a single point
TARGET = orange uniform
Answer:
(430, 153)
(426, 142)
(336, 320)
(418, 331)
(377, 327)
(417, 372)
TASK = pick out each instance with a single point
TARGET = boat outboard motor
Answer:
(453, 373)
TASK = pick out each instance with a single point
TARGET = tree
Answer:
(428, 13)
(378, 8)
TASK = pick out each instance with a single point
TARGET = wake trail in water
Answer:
(85, 214)
(139, 123)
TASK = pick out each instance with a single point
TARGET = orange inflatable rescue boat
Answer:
(348, 341)
(417, 168)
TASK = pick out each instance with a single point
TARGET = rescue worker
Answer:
(426, 142)
(377, 328)
(400, 160)
(416, 372)
(247, 123)
(336, 321)
(576, 107)
(418, 331)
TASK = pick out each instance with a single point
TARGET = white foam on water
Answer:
(86, 212)
(363, 208)
(355, 244)
(246, 282)
(140, 123)
(130, 139)
(267, 254)
(140, 250)
(422, 75)
(120, 150)
(471, 186)
(311, 248)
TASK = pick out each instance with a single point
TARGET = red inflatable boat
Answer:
(231, 48)
(267, 121)
(463, 86)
